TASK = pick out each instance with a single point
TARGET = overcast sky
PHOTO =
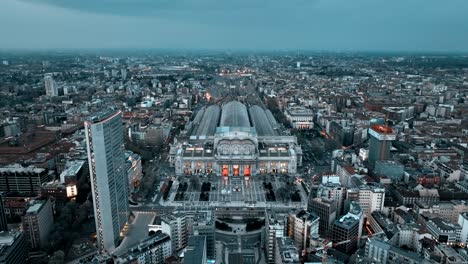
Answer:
(331, 25)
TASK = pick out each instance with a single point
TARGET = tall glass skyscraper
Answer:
(109, 185)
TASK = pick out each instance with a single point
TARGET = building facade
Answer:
(381, 138)
(50, 86)
(300, 117)
(154, 250)
(234, 140)
(24, 180)
(377, 251)
(326, 210)
(37, 222)
(196, 250)
(109, 182)
(370, 196)
(14, 248)
(3, 217)
(175, 225)
(302, 227)
(347, 229)
(275, 226)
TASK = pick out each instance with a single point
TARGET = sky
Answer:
(315, 25)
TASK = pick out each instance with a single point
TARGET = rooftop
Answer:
(234, 114)
(17, 168)
(35, 206)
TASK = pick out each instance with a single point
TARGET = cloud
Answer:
(152, 7)
(265, 24)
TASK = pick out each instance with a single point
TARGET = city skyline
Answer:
(233, 131)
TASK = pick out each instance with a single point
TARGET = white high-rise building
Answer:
(302, 227)
(370, 197)
(51, 88)
(463, 222)
(175, 225)
(123, 72)
(109, 184)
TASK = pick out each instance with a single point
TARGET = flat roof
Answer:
(36, 206)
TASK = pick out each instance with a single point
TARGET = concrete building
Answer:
(326, 211)
(463, 223)
(109, 182)
(154, 250)
(14, 248)
(443, 231)
(381, 138)
(24, 180)
(133, 169)
(407, 196)
(390, 169)
(71, 171)
(234, 140)
(334, 192)
(448, 210)
(408, 235)
(50, 85)
(448, 255)
(175, 225)
(343, 131)
(61, 193)
(37, 222)
(382, 252)
(347, 229)
(123, 73)
(286, 251)
(206, 229)
(275, 226)
(302, 227)
(369, 196)
(300, 117)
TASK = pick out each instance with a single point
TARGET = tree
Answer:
(57, 258)
(195, 182)
(68, 225)
(283, 193)
(331, 145)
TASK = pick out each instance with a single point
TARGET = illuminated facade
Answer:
(234, 140)
(109, 183)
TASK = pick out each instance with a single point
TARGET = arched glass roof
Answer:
(234, 114)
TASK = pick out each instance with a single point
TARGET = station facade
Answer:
(235, 140)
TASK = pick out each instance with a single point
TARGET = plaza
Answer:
(237, 192)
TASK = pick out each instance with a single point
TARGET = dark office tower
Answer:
(326, 210)
(14, 248)
(381, 137)
(3, 219)
(196, 250)
(347, 230)
(207, 230)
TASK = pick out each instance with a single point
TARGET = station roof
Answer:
(260, 121)
(234, 114)
(208, 121)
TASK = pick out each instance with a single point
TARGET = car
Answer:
(236, 189)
